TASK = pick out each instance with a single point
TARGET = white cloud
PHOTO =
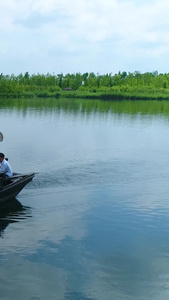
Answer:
(83, 33)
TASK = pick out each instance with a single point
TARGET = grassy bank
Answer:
(114, 95)
(109, 95)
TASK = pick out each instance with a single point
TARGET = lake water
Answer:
(94, 222)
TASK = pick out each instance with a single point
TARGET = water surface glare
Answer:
(94, 223)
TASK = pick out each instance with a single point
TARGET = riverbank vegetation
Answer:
(149, 85)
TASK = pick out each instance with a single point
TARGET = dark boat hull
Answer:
(14, 186)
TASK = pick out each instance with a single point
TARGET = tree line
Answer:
(121, 84)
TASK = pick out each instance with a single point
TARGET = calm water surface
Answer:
(94, 223)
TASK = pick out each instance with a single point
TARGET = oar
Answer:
(1, 137)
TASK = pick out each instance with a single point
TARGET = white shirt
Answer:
(6, 168)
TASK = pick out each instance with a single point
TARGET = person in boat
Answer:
(5, 166)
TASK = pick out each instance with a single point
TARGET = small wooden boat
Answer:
(10, 187)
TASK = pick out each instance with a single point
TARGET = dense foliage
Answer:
(88, 85)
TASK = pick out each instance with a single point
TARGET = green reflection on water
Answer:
(87, 106)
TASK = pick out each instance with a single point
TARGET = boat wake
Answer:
(81, 175)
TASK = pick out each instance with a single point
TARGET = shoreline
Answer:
(89, 95)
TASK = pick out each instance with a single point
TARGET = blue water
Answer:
(94, 223)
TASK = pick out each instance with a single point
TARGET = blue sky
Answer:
(100, 36)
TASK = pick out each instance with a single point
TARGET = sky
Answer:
(71, 36)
